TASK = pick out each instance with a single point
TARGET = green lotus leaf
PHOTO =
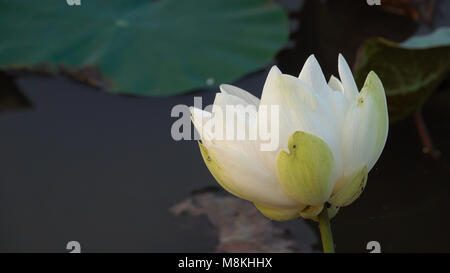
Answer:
(410, 71)
(145, 47)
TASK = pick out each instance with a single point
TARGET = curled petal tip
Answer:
(311, 57)
(222, 87)
(273, 77)
(346, 76)
(374, 84)
(274, 69)
(341, 60)
(372, 78)
(312, 65)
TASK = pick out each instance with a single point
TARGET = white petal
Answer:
(199, 119)
(348, 82)
(301, 109)
(335, 84)
(294, 99)
(249, 179)
(366, 126)
(222, 104)
(287, 89)
(241, 93)
(229, 110)
(339, 105)
(312, 75)
(224, 99)
(243, 119)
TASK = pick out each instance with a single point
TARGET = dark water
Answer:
(103, 170)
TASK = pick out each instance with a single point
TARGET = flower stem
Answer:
(325, 232)
(425, 135)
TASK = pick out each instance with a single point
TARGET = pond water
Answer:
(103, 170)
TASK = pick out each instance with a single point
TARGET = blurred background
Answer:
(86, 93)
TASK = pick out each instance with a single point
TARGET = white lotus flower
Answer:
(330, 136)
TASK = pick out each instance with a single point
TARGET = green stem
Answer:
(325, 232)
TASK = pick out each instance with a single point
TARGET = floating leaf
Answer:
(410, 71)
(146, 47)
(241, 227)
(439, 38)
